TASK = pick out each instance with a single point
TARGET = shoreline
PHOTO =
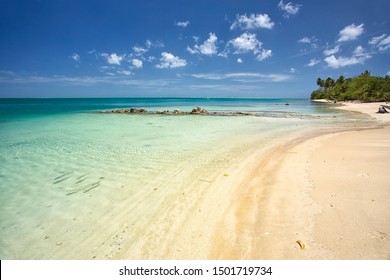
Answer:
(328, 191)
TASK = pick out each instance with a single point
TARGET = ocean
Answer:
(79, 184)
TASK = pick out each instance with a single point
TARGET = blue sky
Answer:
(191, 48)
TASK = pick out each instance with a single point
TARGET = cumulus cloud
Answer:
(359, 56)
(381, 42)
(209, 47)
(239, 60)
(245, 43)
(289, 8)
(182, 23)
(313, 62)
(252, 22)
(168, 60)
(351, 32)
(248, 42)
(113, 58)
(137, 63)
(329, 52)
(76, 57)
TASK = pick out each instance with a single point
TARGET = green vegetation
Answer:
(365, 88)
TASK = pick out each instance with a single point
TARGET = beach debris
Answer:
(225, 174)
(382, 109)
(58, 243)
(301, 244)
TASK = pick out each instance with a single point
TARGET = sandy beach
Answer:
(330, 192)
(326, 187)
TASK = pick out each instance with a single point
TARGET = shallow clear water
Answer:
(61, 163)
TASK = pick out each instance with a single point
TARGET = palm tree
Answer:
(329, 83)
(340, 80)
(320, 83)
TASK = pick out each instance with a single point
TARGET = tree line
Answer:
(365, 88)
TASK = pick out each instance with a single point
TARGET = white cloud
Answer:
(252, 22)
(248, 42)
(351, 32)
(245, 43)
(124, 72)
(113, 58)
(156, 44)
(239, 60)
(312, 41)
(359, 51)
(76, 57)
(359, 57)
(313, 62)
(334, 62)
(182, 23)
(381, 42)
(376, 40)
(209, 47)
(137, 63)
(292, 70)
(245, 77)
(168, 60)
(289, 8)
(329, 52)
(305, 40)
(264, 54)
(139, 51)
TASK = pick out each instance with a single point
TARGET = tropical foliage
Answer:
(364, 88)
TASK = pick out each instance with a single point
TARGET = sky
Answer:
(188, 48)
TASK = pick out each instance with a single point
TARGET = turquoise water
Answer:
(65, 169)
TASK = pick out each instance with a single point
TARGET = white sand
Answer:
(331, 192)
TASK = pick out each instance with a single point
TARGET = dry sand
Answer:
(332, 192)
